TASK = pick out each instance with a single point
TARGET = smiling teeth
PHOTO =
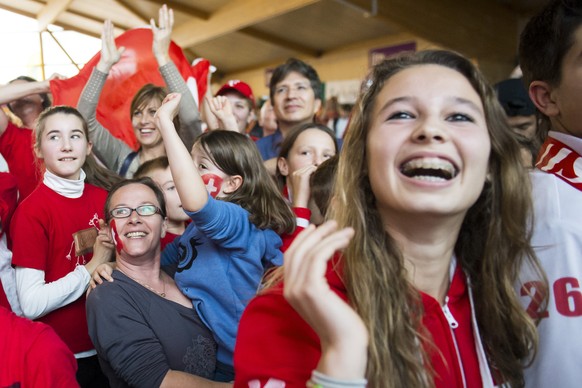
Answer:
(429, 169)
(135, 235)
(67, 159)
(146, 130)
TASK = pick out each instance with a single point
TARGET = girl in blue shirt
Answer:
(237, 215)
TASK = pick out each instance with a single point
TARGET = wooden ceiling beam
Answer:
(18, 11)
(128, 5)
(233, 17)
(188, 9)
(70, 27)
(283, 43)
(124, 27)
(51, 12)
(477, 28)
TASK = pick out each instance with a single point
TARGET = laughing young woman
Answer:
(432, 210)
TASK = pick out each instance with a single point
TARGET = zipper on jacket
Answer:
(453, 324)
(452, 321)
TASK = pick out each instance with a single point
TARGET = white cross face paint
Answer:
(213, 184)
(212, 176)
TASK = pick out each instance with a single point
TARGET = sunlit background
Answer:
(22, 53)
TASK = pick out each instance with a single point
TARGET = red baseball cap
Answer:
(239, 87)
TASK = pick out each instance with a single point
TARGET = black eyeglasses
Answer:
(143, 210)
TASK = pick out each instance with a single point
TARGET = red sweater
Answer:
(42, 238)
(276, 346)
(32, 355)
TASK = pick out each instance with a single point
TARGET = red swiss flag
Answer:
(136, 68)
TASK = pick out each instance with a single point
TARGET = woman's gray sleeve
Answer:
(190, 123)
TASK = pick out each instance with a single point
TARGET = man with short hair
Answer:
(295, 90)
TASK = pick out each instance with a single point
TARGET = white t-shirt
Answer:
(557, 241)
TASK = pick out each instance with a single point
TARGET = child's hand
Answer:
(221, 108)
(300, 184)
(103, 248)
(209, 117)
(110, 54)
(162, 35)
(170, 106)
(101, 273)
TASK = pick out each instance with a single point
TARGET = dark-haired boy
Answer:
(551, 60)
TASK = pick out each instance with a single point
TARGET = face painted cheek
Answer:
(213, 184)
(115, 236)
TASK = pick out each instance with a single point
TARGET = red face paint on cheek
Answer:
(115, 236)
(213, 184)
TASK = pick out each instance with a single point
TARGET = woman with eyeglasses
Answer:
(146, 332)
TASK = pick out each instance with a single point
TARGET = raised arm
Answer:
(110, 53)
(190, 185)
(15, 91)
(190, 123)
(107, 147)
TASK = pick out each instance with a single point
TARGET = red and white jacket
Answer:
(276, 348)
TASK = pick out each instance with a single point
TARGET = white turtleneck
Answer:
(66, 187)
(38, 298)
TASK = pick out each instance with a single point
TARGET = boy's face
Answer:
(523, 125)
(568, 94)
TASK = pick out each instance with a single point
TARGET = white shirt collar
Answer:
(571, 141)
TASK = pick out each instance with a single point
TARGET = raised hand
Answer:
(162, 35)
(222, 109)
(343, 335)
(110, 53)
(169, 108)
(301, 190)
(103, 248)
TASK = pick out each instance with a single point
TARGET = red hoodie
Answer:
(276, 348)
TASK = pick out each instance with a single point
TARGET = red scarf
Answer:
(557, 158)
